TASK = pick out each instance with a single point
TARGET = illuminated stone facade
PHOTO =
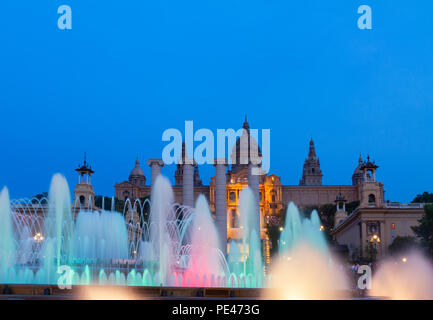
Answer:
(372, 227)
(273, 195)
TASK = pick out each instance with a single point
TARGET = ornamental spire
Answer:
(246, 125)
(312, 151)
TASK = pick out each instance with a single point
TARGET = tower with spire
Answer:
(371, 191)
(311, 174)
(83, 193)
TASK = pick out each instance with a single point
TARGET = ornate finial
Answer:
(246, 125)
(85, 168)
(312, 151)
(137, 162)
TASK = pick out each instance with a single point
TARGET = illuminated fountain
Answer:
(160, 243)
(408, 277)
(206, 265)
(175, 246)
(7, 243)
(245, 259)
(305, 268)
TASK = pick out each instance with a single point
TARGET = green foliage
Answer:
(424, 230)
(402, 244)
(40, 196)
(307, 210)
(327, 216)
(423, 198)
(273, 231)
(351, 206)
(274, 235)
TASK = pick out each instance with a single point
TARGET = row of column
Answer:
(188, 191)
(220, 190)
(253, 183)
(221, 201)
(382, 236)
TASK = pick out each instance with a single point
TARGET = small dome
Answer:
(358, 173)
(358, 167)
(137, 170)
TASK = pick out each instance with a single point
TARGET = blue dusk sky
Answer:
(128, 70)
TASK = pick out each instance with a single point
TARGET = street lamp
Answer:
(38, 237)
(375, 239)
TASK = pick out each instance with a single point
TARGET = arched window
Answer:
(82, 200)
(371, 199)
(232, 197)
(273, 196)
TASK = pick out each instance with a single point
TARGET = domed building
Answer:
(358, 173)
(135, 187)
(273, 195)
(245, 150)
(136, 176)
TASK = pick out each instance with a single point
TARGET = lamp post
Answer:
(38, 237)
(374, 240)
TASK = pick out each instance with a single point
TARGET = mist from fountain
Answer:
(251, 245)
(59, 222)
(100, 237)
(7, 241)
(305, 268)
(206, 261)
(171, 246)
(409, 277)
(160, 217)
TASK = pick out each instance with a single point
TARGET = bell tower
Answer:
(371, 191)
(311, 174)
(83, 193)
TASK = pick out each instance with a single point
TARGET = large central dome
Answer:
(245, 150)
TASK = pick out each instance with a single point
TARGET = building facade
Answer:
(372, 227)
(369, 231)
(273, 196)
